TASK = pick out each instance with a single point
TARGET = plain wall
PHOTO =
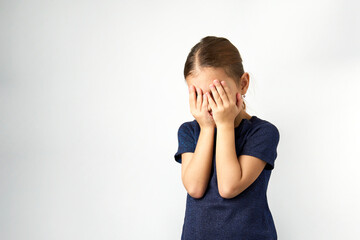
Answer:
(92, 94)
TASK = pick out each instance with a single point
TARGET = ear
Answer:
(244, 82)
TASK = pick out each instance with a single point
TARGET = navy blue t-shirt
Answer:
(246, 216)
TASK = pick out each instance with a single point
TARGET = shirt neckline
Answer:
(240, 125)
(242, 122)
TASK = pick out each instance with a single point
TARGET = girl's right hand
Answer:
(199, 107)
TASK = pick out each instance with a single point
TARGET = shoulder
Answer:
(264, 128)
(189, 127)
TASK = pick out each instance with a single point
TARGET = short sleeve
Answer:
(262, 143)
(186, 141)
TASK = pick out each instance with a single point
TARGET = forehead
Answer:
(204, 77)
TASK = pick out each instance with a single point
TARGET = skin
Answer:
(218, 104)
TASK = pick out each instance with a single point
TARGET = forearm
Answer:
(228, 168)
(197, 173)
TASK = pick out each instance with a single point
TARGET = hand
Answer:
(225, 106)
(199, 107)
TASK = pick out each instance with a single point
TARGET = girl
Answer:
(226, 155)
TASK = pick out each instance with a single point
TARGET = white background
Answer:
(92, 94)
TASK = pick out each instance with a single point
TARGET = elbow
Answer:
(227, 192)
(196, 195)
(196, 192)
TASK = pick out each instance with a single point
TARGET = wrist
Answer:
(207, 128)
(226, 126)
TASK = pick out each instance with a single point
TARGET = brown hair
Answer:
(215, 52)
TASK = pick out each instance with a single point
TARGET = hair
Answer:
(217, 52)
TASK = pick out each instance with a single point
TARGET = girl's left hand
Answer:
(225, 106)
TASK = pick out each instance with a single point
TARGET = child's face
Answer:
(204, 77)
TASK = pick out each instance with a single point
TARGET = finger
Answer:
(205, 102)
(228, 92)
(216, 95)
(221, 91)
(211, 101)
(192, 96)
(199, 98)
